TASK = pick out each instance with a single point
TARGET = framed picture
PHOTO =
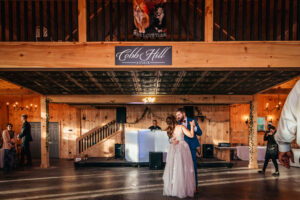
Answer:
(261, 123)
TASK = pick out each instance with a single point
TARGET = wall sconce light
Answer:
(271, 119)
(246, 120)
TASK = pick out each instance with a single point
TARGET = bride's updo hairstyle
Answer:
(171, 122)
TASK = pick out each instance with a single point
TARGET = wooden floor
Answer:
(63, 181)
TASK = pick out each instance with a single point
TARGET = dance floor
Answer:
(63, 181)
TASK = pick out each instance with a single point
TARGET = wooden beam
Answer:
(44, 150)
(94, 80)
(241, 81)
(209, 21)
(157, 81)
(17, 92)
(253, 135)
(112, 76)
(220, 81)
(136, 82)
(76, 82)
(82, 20)
(203, 75)
(186, 55)
(160, 99)
(178, 81)
(53, 81)
(277, 91)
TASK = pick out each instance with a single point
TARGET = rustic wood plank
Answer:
(186, 55)
(209, 20)
(160, 99)
(82, 21)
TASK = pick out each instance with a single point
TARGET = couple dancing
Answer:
(180, 175)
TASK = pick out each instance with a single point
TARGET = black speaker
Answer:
(121, 115)
(189, 111)
(119, 150)
(208, 150)
(155, 160)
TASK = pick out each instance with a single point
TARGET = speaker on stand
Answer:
(208, 150)
(119, 151)
(155, 160)
(121, 118)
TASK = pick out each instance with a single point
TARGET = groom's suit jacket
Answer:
(192, 142)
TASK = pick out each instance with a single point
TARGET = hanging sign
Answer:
(143, 55)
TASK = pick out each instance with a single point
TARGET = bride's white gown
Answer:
(179, 176)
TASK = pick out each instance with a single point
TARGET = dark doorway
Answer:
(53, 140)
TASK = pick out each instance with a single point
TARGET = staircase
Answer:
(97, 136)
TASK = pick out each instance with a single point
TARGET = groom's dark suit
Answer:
(193, 142)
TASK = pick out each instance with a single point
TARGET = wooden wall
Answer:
(223, 123)
(239, 113)
(69, 127)
(239, 133)
(67, 116)
(91, 117)
(15, 116)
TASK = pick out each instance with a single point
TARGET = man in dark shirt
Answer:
(272, 150)
(26, 139)
(154, 126)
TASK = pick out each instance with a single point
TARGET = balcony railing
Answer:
(38, 20)
(256, 20)
(113, 20)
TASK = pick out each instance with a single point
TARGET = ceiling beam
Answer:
(178, 81)
(136, 82)
(114, 79)
(199, 79)
(159, 99)
(23, 91)
(241, 81)
(186, 55)
(277, 91)
(220, 81)
(94, 80)
(53, 81)
(157, 81)
(76, 82)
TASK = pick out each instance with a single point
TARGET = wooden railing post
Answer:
(82, 20)
(209, 21)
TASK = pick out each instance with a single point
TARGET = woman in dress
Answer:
(179, 176)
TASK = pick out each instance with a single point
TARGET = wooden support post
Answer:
(82, 20)
(209, 21)
(44, 124)
(123, 134)
(253, 134)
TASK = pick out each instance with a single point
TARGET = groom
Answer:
(192, 142)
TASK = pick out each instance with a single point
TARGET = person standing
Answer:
(179, 175)
(288, 126)
(192, 142)
(26, 139)
(6, 146)
(272, 150)
(154, 126)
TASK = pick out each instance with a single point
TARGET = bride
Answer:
(179, 176)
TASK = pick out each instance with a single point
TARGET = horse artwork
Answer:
(149, 19)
